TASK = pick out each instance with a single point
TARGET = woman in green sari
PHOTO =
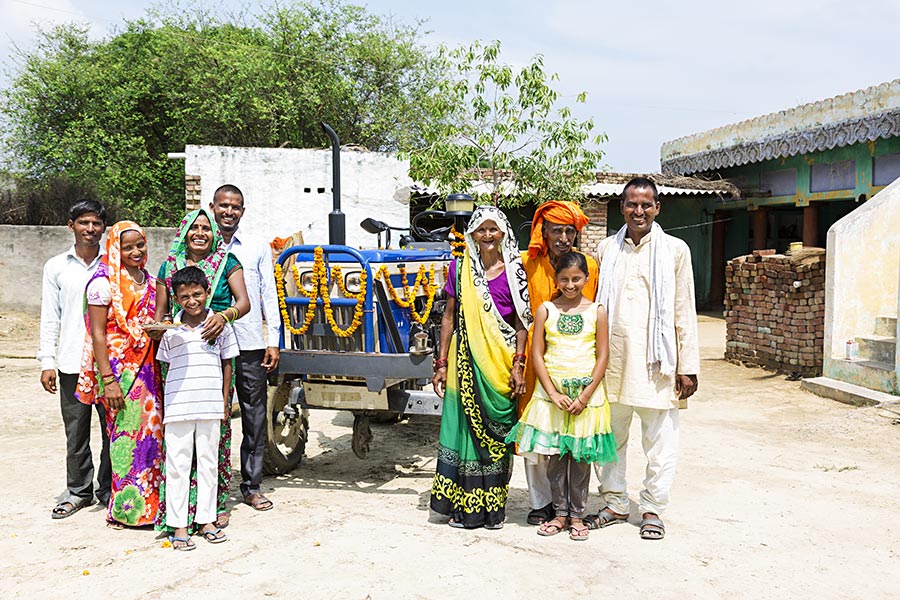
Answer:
(479, 373)
(200, 244)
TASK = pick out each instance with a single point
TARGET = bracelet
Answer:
(440, 363)
(519, 358)
(107, 379)
(237, 313)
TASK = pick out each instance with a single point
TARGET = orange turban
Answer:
(563, 212)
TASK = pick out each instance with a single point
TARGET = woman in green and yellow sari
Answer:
(200, 244)
(479, 373)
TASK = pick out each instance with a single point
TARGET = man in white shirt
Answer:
(258, 357)
(647, 286)
(62, 343)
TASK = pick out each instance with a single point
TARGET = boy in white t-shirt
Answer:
(197, 387)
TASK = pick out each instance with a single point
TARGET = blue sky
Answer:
(653, 71)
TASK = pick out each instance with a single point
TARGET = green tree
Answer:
(104, 114)
(488, 122)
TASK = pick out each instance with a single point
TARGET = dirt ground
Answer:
(779, 494)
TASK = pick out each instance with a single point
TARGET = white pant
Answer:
(659, 436)
(538, 481)
(182, 438)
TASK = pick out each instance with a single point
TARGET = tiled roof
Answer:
(860, 116)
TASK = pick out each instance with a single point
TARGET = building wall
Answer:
(830, 205)
(595, 231)
(288, 190)
(862, 283)
(26, 248)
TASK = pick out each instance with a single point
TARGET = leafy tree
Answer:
(490, 123)
(104, 114)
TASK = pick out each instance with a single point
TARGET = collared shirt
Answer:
(62, 311)
(193, 390)
(628, 379)
(259, 276)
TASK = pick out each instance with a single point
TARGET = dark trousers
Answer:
(569, 484)
(250, 386)
(79, 462)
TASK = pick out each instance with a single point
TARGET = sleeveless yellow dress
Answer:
(570, 354)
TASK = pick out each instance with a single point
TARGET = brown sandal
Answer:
(258, 502)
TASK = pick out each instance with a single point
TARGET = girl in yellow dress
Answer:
(567, 418)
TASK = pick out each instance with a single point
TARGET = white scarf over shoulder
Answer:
(662, 356)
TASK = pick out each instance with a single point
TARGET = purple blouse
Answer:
(498, 288)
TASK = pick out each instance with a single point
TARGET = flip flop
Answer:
(604, 518)
(214, 537)
(188, 544)
(652, 528)
(69, 507)
(222, 521)
(550, 528)
(579, 534)
(258, 502)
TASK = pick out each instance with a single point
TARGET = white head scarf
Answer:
(512, 260)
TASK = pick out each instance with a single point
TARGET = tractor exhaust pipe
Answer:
(337, 223)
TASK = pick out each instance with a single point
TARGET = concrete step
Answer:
(874, 364)
(846, 392)
(878, 348)
(886, 326)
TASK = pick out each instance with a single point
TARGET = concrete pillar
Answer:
(717, 259)
(760, 228)
(811, 225)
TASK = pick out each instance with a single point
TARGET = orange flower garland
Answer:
(408, 300)
(285, 316)
(458, 243)
(320, 288)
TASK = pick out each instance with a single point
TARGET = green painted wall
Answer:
(689, 219)
(833, 205)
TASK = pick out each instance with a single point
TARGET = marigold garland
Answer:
(408, 300)
(285, 316)
(458, 243)
(320, 289)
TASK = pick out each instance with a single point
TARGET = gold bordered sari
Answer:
(471, 484)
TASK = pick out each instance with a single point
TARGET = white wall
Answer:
(862, 282)
(25, 248)
(274, 181)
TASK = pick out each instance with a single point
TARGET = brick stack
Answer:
(192, 200)
(775, 310)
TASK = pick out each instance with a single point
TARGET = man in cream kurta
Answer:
(635, 383)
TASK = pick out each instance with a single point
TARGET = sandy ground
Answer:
(780, 494)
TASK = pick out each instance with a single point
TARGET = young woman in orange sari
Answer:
(119, 370)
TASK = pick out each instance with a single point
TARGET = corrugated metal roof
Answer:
(594, 190)
(611, 190)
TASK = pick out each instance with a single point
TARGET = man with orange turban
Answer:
(553, 230)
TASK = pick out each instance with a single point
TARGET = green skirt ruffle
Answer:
(598, 448)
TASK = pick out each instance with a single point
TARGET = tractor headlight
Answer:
(306, 280)
(352, 282)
